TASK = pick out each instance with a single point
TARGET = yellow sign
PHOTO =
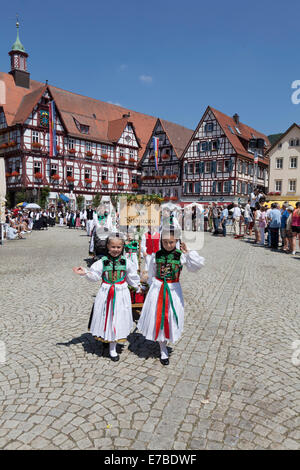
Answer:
(134, 214)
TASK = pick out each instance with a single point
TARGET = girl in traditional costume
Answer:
(111, 319)
(131, 250)
(162, 315)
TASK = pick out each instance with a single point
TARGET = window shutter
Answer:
(185, 168)
(229, 186)
(214, 167)
(185, 188)
(214, 186)
(198, 147)
(201, 169)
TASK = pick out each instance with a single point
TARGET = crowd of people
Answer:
(267, 224)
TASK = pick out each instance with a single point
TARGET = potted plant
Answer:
(132, 160)
(105, 181)
(135, 185)
(88, 180)
(38, 175)
(122, 158)
(8, 175)
(4, 145)
(70, 179)
(120, 183)
(72, 151)
(55, 177)
(165, 156)
(12, 143)
(58, 148)
(89, 154)
(36, 145)
(173, 177)
(104, 156)
(15, 173)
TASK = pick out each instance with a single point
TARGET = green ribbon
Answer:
(114, 296)
(167, 289)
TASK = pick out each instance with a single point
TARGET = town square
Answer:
(149, 234)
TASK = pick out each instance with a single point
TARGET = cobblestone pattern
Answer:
(231, 383)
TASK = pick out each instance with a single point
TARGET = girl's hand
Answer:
(81, 271)
(183, 248)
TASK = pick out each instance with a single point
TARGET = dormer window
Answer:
(83, 128)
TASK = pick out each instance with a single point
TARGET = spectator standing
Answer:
(274, 225)
(296, 227)
(284, 216)
(223, 220)
(236, 217)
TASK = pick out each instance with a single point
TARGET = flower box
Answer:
(173, 198)
(105, 181)
(120, 183)
(15, 173)
(132, 160)
(277, 193)
(58, 148)
(122, 159)
(38, 175)
(70, 179)
(165, 177)
(104, 156)
(88, 180)
(165, 156)
(55, 177)
(173, 177)
(89, 154)
(167, 198)
(8, 175)
(271, 193)
(36, 145)
(157, 177)
(135, 185)
(12, 143)
(72, 151)
(4, 146)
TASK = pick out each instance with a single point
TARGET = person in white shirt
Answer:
(236, 217)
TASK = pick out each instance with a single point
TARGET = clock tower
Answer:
(18, 63)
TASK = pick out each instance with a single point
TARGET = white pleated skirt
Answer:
(147, 321)
(118, 325)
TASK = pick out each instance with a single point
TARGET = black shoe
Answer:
(164, 362)
(115, 358)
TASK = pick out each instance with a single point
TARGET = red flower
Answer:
(135, 185)
(4, 146)
(38, 175)
(132, 160)
(165, 156)
(55, 177)
(58, 148)
(70, 179)
(36, 145)
(15, 173)
(121, 183)
(104, 156)
(122, 158)
(105, 181)
(89, 154)
(88, 180)
(72, 150)
(7, 175)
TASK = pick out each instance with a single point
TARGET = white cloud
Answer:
(146, 78)
(116, 104)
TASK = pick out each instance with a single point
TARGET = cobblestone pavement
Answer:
(231, 382)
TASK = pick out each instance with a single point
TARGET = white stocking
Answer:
(163, 350)
(113, 349)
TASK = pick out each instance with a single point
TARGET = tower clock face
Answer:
(44, 118)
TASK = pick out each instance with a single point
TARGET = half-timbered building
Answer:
(98, 144)
(224, 160)
(166, 179)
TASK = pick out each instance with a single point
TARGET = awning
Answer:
(64, 198)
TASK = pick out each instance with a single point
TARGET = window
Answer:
(292, 186)
(215, 145)
(197, 167)
(209, 127)
(237, 129)
(69, 171)
(220, 167)
(278, 185)
(37, 167)
(87, 173)
(279, 146)
(204, 146)
(191, 188)
(131, 153)
(226, 166)
(292, 142)
(71, 143)
(293, 162)
(219, 186)
(191, 168)
(53, 169)
(279, 163)
(119, 177)
(134, 178)
(104, 148)
(35, 136)
(88, 146)
(104, 175)
(122, 152)
(231, 130)
(207, 167)
(297, 142)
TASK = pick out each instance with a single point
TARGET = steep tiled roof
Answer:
(88, 111)
(178, 135)
(245, 132)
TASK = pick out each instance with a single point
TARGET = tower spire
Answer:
(18, 61)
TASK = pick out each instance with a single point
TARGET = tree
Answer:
(20, 197)
(44, 196)
(96, 200)
(80, 202)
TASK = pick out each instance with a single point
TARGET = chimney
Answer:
(236, 118)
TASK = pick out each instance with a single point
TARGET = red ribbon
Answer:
(110, 298)
(163, 306)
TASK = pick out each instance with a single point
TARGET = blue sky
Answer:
(167, 58)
